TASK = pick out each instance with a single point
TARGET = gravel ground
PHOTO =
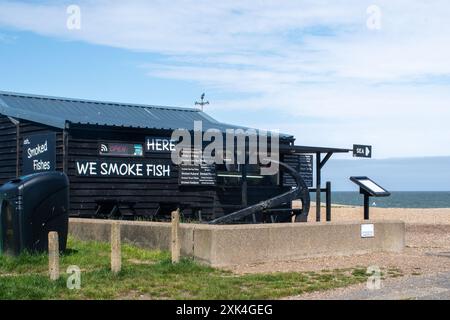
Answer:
(410, 216)
(423, 265)
(425, 250)
(427, 287)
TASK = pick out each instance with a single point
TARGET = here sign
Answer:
(159, 144)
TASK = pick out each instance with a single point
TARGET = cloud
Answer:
(6, 38)
(306, 59)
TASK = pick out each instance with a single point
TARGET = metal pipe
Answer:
(328, 200)
(318, 183)
(366, 206)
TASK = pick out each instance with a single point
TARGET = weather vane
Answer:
(203, 102)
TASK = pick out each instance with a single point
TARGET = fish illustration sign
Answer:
(39, 153)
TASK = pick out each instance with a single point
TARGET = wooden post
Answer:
(116, 254)
(175, 237)
(318, 184)
(53, 255)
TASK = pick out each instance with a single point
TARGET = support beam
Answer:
(244, 200)
(324, 161)
(65, 135)
(244, 187)
(328, 201)
(318, 183)
(18, 146)
(366, 207)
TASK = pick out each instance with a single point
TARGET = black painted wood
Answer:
(8, 150)
(152, 196)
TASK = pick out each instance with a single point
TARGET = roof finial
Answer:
(203, 102)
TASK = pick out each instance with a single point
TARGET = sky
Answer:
(395, 174)
(332, 73)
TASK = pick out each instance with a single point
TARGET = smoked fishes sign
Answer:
(39, 153)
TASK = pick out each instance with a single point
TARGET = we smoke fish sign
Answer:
(39, 153)
(127, 169)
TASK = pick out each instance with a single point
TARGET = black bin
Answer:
(31, 207)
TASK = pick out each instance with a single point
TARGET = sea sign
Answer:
(39, 153)
(94, 168)
(362, 151)
(159, 145)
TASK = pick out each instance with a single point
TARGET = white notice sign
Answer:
(367, 231)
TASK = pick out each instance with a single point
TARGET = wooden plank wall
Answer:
(8, 146)
(8, 150)
(148, 193)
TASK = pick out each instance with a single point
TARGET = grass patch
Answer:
(150, 274)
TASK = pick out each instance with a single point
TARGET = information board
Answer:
(304, 165)
(198, 173)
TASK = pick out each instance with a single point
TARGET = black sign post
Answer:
(39, 153)
(362, 151)
(369, 188)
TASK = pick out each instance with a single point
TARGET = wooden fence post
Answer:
(175, 236)
(116, 254)
(53, 255)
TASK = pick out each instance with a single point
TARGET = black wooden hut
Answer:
(90, 140)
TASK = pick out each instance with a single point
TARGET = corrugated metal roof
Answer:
(56, 112)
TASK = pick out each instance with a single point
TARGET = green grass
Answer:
(150, 274)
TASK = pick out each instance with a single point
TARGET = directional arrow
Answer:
(362, 151)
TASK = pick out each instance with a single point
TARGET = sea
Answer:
(399, 199)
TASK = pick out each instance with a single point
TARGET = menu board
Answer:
(304, 165)
(198, 173)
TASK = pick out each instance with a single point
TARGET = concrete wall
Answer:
(240, 244)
